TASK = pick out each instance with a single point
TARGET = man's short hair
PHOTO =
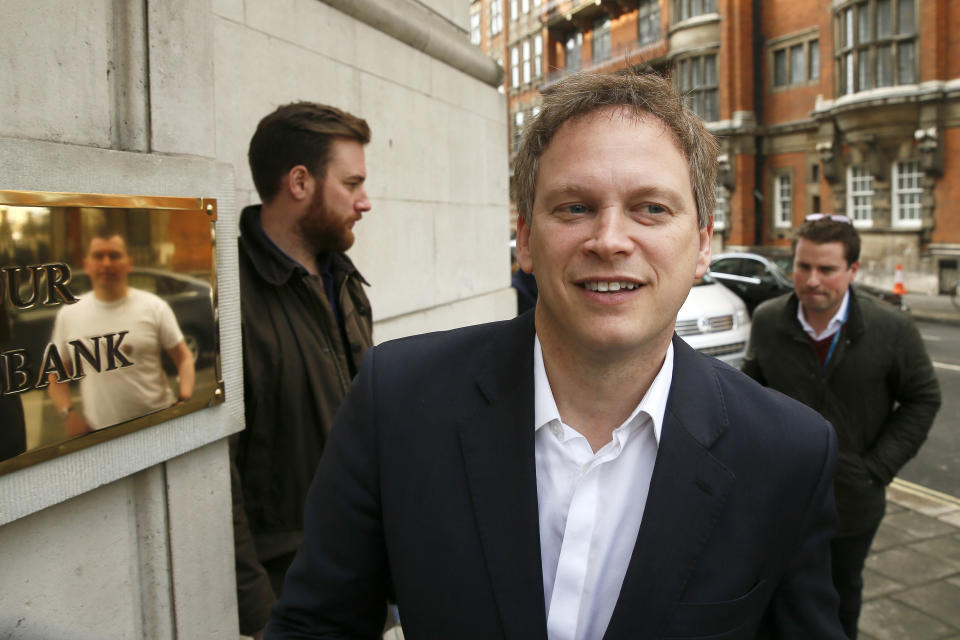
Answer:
(644, 93)
(295, 134)
(825, 230)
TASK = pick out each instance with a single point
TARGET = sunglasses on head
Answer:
(835, 217)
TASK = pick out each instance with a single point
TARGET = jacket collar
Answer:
(853, 328)
(273, 265)
(687, 491)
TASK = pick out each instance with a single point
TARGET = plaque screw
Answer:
(209, 208)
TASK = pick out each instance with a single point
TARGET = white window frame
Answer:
(514, 10)
(860, 195)
(783, 201)
(537, 56)
(515, 66)
(496, 17)
(720, 209)
(518, 120)
(906, 181)
(525, 6)
(525, 47)
(475, 21)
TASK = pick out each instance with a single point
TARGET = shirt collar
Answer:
(835, 322)
(653, 403)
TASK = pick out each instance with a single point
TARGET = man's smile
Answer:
(609, 286)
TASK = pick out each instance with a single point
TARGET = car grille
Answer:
(715, 324)
(723, 349)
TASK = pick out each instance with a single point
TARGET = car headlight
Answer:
(740, 318)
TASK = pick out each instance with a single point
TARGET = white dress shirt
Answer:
(832, 327)
(591, 505)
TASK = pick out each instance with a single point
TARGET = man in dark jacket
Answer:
(859, 362)
(306, 325)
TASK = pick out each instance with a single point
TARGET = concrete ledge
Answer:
(417, 26)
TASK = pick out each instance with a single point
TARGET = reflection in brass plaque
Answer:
(108, 319)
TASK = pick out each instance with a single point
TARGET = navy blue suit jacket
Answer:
(427, 494)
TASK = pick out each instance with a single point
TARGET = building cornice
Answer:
(910, 93)
(415, 25)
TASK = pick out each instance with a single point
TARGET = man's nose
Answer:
(610, 235)
(363, 204)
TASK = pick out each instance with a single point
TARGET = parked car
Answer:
(755, 278)
(714, 321)
(191, 300)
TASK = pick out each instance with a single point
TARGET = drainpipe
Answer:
(759, 159)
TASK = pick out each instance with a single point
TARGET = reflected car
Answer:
(755, 278)
(190, 298)
(714, 321)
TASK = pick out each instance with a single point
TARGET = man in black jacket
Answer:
(306, 326)
(859, 362)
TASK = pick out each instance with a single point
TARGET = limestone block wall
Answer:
(132, 538)
(434, 247)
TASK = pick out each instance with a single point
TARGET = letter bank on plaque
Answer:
(108, 319)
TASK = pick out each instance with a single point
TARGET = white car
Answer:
(714, 320)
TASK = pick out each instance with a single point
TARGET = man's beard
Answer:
(322, 231)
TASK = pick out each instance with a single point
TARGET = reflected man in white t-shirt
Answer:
(113, 336)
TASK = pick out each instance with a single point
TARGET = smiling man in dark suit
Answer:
(578, 472)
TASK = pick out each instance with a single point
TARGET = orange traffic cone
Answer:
(898, 287)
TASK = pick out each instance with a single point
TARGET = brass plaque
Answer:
(108, 321)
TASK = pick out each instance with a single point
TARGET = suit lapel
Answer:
(687, 492)
(496, 438)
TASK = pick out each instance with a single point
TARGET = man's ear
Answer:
(704, 249)
(298, 182)
(524, 259)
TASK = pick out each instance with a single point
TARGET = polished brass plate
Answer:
(60, 267)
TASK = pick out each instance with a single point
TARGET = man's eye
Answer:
(654, 208)
(575, 208)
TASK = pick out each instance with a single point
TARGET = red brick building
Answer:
(846, 106)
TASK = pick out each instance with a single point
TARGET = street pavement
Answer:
(932, 308)
(912, 578)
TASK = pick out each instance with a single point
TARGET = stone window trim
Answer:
(860, 196)
(875, 45)
(515, 67)
(782, 52)
(906, 194)
(783, 198)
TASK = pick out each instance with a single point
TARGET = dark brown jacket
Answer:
(296, 369)
(878, 390)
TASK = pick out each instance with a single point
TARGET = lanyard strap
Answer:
(836, 336)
